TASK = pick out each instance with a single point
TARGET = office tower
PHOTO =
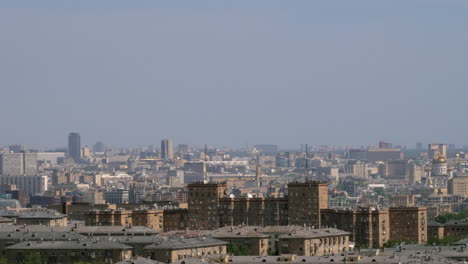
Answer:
(18, 164)
(419, 146)
(166, 149)
(305, 200)
(74, 146)
(435, 149)
(99, 147)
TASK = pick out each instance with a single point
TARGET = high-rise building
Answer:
(419, 146)
(408, 224)
(368, 226)
(99, 147)
(166, 149)
(18, 164)
(305, 200)
(203, 204)
(74, 146)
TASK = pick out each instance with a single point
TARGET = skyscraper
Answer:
(74, 146)
(166, 149)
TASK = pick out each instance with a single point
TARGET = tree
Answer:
(446, 241)
(33, 258)
(237, 249)
(444, 218)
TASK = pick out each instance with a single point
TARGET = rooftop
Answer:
(180, 243)
(69, 245)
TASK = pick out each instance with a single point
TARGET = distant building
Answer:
(357, 169)
(118, 196)
(18, 164)
(384, 154)
(458, 186)
(419, 146)
(30, 185)
(267, 148)
(385, 145)
(74, 146)
(358, 154)
(17, 148)
(99, 147)
(166, 149)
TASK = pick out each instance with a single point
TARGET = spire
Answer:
(205, 178)
(306, 163)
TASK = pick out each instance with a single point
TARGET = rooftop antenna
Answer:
(307, 162)
(205, 180)
(258, 173)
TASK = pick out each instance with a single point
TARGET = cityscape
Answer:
(243, 132)
(176, 202)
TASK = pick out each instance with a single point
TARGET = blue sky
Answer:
(231, 72)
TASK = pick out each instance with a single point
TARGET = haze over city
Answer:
(231, 73)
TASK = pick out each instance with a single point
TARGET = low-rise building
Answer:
(141, 217)
(69, 251)
(27, 216)
(173, 249)
(14, 237)
(249, 237)
(314, 242)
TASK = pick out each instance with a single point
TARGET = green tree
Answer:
(237, 249)
(33, 258)
(446, 241)
(444, 218)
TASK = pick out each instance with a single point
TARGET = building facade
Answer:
(74, 146)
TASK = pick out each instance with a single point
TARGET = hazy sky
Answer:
(231, 72)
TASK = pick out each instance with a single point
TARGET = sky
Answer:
(232, 73)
